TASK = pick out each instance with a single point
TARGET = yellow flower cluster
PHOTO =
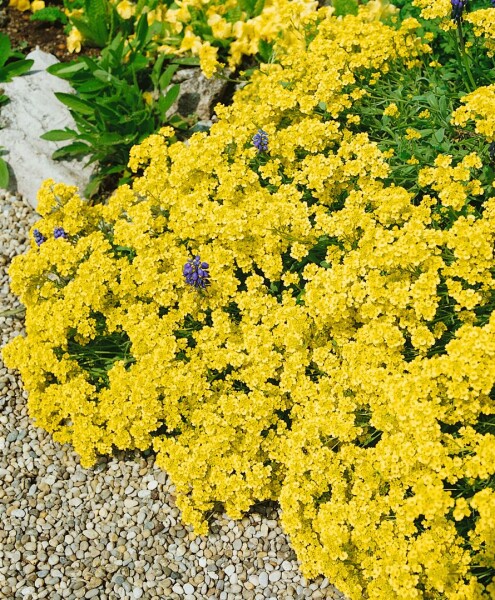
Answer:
(435, 9)
(185, 22)
(24, 5)
(343, 357)
(478, 106)
(483, 22)
(453, 184)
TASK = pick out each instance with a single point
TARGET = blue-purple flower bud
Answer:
(260, 141)
(39, 238)
(458, 7)
(59, 232)
(196, 273)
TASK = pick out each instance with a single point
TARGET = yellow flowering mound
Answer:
(342, 360)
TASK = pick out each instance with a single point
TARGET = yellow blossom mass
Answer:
(340, 354)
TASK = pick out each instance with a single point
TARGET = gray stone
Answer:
(198, 95)
(12, 436)
(33, 110)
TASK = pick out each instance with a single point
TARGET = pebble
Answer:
(274, 576)
(113, 532)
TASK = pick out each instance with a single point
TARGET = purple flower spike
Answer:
(59, 232)
(39, 238)
(260, 141)
(457, 9)
(196, 273)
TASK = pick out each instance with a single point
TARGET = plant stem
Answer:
(13, 312)
(464, 56)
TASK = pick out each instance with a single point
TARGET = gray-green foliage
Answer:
(109, 106)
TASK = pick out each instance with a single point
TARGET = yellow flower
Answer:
(208, 59)
(37, 5)
(74, 40)
(412, 134)
(391, 110)
(21, 5)
(126, 9)
(148, 97)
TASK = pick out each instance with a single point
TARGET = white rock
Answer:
(274, 576)
(229, 570)
(33, 110)
(152, 485)
(263, 579)
(28, 590)
(188, 588)
(90, 534)
(18, 513)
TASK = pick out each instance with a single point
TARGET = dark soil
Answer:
(26, 35)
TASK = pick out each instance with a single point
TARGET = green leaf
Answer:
(265, 50)
(95, 31)
(66, 70)
(439, 134)
(98, 9)
(76, 104)
(109, 139)
(142, 30)
(5, 48)
(58, 135)
(4, 174)
(91, 64)
(74, 149)
(166, 76)
(15, 69)
(93, 186)
(178, 122)
(188, 60)
(105, 76)
(258, 7)
(90, 86)
(50, 14)
(165, 102)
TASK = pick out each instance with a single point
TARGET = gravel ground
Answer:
(114, 531)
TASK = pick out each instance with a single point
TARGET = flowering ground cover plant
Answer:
(297, 306)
